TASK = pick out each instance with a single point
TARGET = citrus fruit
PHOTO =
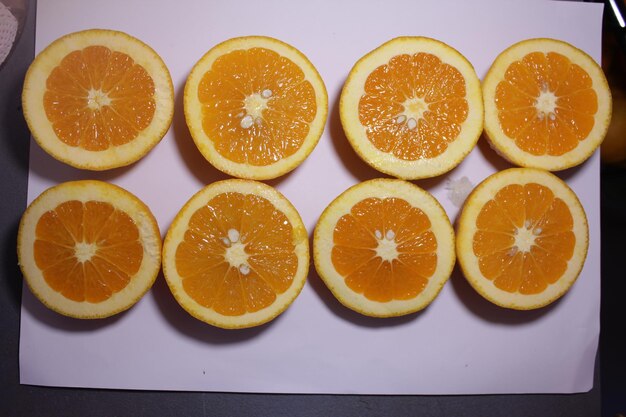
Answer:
(547, 104)
(237, 254)
(88, 249)
(98, 99)
(522, 238)
(412, 108)
(384, 247)
(255, 106)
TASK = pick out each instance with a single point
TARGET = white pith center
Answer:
(387, 247)
(84, 251)
(525, 238)
(97, 99)
(235, 254)
(254, 104)
(414, 109)
(546, 104)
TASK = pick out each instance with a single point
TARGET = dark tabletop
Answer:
(23, 400)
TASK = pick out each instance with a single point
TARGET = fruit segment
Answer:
(384, 248)
(98, 99)
(512, 243)
(547, 104)
(236, 255)
(255, 107)
(88, 249)
(412, 108)
(522, 238)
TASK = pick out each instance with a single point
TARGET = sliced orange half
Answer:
(547, 104)
(412, 108)
(88, 249)
(384, 248)
(98, 99)
(237, 254)
(255, 106)
(522, 238)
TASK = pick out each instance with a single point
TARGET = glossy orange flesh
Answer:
(279, 121)
(87, 251)
(419, 87)
(540, 76)
(267, 238)
(357, 236)
(98, 98)
(524, 238)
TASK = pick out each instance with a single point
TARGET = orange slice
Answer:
(88, 249)
(384, 248)
(255, 106)
(237, 254)
(98, 99)
(547, 104)
(522, 238)
(412, 108)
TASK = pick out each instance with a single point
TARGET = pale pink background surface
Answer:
(461, 344)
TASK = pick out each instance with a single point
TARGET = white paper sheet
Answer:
(461, 344)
